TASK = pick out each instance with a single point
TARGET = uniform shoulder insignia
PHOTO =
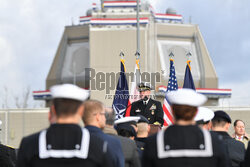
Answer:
(138, 110)
(10, 146)
(153, 107)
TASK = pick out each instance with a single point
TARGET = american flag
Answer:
(172, 85)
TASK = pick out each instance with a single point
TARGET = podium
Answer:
(154, 129)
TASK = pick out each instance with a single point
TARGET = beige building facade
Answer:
(88, 53)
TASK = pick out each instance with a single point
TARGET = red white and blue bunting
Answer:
(216, 93)
(119, 4)
(112, 21)
(168, 17)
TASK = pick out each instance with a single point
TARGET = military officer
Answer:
(147, 107)
(64, 143)
(184, 143)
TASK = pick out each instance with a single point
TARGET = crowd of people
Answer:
(198, 137)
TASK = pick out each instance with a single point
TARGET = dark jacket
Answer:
(188, 146)
(7, 156)
(140, 142)
(114, 148)
(128, 147)
(152, 111)
(63, 145)
(236, 149)
(247, 156)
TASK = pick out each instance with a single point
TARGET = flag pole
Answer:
(188, 55)
(188, 59)
(171, 55)
(122, 55)
(137, 54)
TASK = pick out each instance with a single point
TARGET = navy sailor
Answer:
(64, 143)
(184, 143)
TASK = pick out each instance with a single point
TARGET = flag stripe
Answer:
(172, 85)
(168, 113)
(128, 109)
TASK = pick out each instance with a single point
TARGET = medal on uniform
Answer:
(153, 107)
(153, 112)
(138, 110)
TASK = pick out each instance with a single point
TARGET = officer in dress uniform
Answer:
(147, 107)
(184, 143)
(64, 143)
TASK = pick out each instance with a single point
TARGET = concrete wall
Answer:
(105, 47)
(17, 123)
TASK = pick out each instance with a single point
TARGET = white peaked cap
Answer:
(186, 96)
(69, 91)
(204, 114)
(127, 119)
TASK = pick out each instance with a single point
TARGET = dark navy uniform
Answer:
(63, 145)
(7, 156)
(152, 110)
(187, 146)
(247, 156)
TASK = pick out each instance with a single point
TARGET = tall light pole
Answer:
(137, 54)
(138, 30)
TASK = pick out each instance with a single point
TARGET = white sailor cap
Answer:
(186, 96)
(204, 114)
(69, 91)
(127, 120)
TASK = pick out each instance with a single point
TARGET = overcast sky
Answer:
(30, 32)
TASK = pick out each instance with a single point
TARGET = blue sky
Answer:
(30, 32)
(225, 27)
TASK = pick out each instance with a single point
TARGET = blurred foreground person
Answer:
(127, 126)
(142, 133)
(64, 143)
(128, 146)
(236, 151)
(203, 118)
(95, 121)
(240, 133)
(184, 143)
(247, 156)
(7, 155)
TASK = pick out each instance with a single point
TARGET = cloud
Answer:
(240, 94)
(6, 53)
(30, 32)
